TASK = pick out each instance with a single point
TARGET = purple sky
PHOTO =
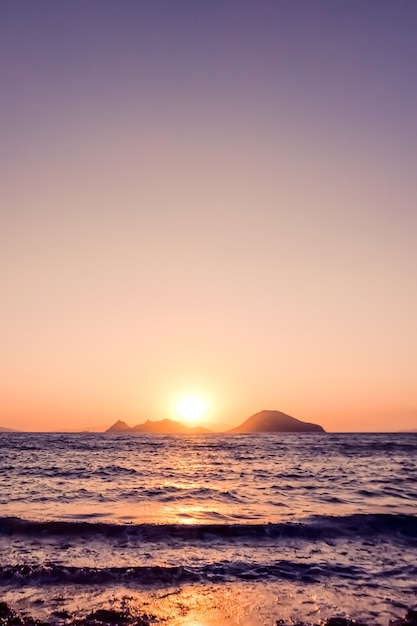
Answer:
(216, 198)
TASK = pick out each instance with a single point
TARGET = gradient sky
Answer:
(216, 198)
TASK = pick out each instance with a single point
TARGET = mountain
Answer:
(263, 422)
(167, 426)
(162, 427)
(118, 427)
(275, 422)
(7, 430)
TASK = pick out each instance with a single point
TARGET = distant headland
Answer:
(161, 427)
(262, 422)
(275, 422)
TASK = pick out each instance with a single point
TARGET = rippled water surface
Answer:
(324, 511)
(215, 478)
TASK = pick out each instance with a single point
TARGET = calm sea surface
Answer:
(335, 515)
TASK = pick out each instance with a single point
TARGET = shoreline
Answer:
(245, 604)
(125, 617)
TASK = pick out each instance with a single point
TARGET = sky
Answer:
(209, 198)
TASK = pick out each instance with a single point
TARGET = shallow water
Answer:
(312, 524)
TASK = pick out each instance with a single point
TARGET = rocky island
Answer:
(161, 427)
(275, 422)
(262, 422)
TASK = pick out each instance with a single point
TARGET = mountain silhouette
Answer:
(275, 422)
(118, 427)
(263, 422)
(161, 427)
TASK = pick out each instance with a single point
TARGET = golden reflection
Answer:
(197, 513)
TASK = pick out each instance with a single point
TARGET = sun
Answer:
(191, 408)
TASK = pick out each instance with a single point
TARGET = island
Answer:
(275, 422)
(262, 422)
(161, 427)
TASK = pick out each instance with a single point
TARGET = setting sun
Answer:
(191, 408)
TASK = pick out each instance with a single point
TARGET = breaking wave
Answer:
(315, 528)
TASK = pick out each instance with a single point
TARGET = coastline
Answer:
(125, 615)
(250, 603)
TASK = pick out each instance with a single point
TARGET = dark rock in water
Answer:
(342, 621)
(411, 616)
(8, 617)
(276, 422)
(104, 617)
(101, 617)
(338, 621)
(62, 614)
(409, 620)
(109, 617)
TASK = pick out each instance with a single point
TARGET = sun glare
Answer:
(191, 408)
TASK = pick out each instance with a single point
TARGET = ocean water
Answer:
(211, 529)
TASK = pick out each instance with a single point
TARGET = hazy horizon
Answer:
(215, 199)
(212, 427)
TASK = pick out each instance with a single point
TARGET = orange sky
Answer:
(224, 206)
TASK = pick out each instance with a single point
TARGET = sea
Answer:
(200, 530)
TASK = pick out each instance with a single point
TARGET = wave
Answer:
(316, 528)
(214, 572)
